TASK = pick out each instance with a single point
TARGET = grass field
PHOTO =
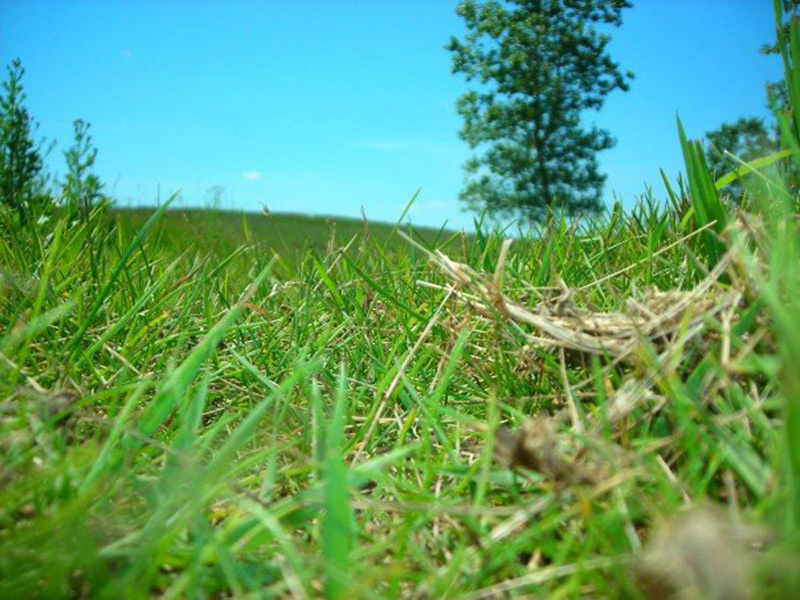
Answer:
(207, 405)
(291, 236)
(181, 425)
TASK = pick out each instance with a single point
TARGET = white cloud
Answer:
(252, 175)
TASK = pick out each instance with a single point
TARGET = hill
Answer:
(289, 235)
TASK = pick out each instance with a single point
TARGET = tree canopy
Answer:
(20, 160)
(750, 138)
(535, 67)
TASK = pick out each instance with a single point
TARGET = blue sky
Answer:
(326, 107)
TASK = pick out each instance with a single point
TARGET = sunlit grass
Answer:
(199, 406)
(181, 425)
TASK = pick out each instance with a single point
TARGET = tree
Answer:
(750, 138)
(81, 186)
(747, 139)
(537, 66)
(20, 160)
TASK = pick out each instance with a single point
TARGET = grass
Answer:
(195, 405)
(174, 424)
(291, 236)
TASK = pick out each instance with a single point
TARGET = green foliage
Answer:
(747, 139)
(21, 182)
(784, 291)
(339, 537)
(198, 426)
(786, 8)
(750, 138)
(707, 204)
(181, 422)
(81, 189)
(536, 66)
(224, 234)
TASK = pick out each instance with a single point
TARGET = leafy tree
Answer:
(750, 138)
(21, 179)
(537, 65)
(747, 139)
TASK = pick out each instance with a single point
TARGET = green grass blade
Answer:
(175, 386)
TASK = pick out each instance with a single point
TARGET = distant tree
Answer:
(81, 187)
(537, 65)
(747, 139)
(21, 179)
(750, 138)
